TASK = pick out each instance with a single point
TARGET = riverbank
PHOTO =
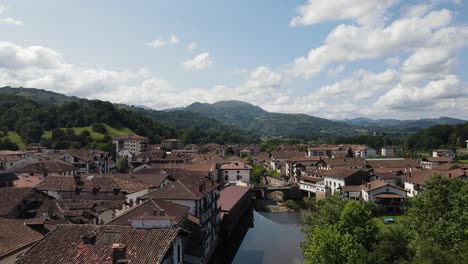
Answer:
(265, 205)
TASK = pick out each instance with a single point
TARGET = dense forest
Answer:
(30, 119)
(432, 229)
(447, 136)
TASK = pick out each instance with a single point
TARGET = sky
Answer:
(333, 59)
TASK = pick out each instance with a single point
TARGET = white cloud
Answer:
(191, 46)
(157, 43)
(174, 39)
(2, 9)
(364, 12)
(162, 42)
(13, 21)
(361, 85)
(411, 97)
(200, 62)
(336, 71)
(348, 43)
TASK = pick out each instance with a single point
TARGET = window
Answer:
(226, 178)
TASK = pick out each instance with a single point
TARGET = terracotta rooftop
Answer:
(287, 154)
(343, 173)
(337, 162)
(66, 244)
(311, 158)
(154, 179)
(393, 163)
(437, 159)
(236, 166)
(311, 179)
(15, 235)
(229, 196)
(105, 183)
(351, 188)
(45, 166)
(187, 188)
(148, 208)
(10, 197)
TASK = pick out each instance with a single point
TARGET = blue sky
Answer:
(334, 59)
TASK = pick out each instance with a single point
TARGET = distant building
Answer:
(443, 153)
(391, 151)
(131, 145)
(236, 171)
(172, 144)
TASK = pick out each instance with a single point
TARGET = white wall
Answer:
(233, 175)
(333, 183)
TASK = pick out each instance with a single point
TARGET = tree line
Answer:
(433, 229)
(31, 119)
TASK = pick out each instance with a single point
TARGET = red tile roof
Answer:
(66, 245)
(236, 166)
(147, 208)
(229, 196)
(187, 188)
(10, 197)
(15, 235)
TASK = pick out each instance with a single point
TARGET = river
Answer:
(274, 238)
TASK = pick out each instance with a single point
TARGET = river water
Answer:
(274, 238)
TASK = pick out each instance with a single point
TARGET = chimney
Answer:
(89, 238)
(119, 253)
(156, 212)
(77, 179)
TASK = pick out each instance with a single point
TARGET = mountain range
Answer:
(241, 116)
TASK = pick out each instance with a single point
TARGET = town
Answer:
(177, 203)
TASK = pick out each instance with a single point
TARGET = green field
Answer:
(398, 219)
(113, 132)
(15, 138)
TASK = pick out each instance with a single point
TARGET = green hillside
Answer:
(15, 138)
(113, 132)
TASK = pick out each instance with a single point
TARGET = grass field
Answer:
(381, 225)
(15, 138)
(113, 132)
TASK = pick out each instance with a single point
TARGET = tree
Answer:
(437, 221)
(329, 246)
(31, 132)
(122, 164)
(349, 153)
(7, 144)
(356, 220)
(392, 246)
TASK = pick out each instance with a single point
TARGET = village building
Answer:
(107, 244)
(201, 195)
(336, 178)
(349, 163)
(7, 178)
(154, 213)
(235, 172)
(448, 153)
(17, 236)
(432, 162)
(130, 146)
(391, 151)
(172, 144)
(278, 160)
(46, 168)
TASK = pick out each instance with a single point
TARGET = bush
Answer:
(291, 204)
(99, 128)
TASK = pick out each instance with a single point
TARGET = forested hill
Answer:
(447, 136)
(30, 119)
(250, 117)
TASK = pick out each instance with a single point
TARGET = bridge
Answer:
(290, 192)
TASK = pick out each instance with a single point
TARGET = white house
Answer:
(391, 151)
(443, 153)
(236, 171)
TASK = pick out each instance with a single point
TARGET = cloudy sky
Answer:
(334, 59)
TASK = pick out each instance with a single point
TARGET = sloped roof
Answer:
(105, 183)
(393, 163)
(15, 235)
(342, 173)
(45, 166)
(10, 197)
(287, 154)
(229, 196)
(236, 165)
(66, 245)
(130, 137)
(148, 208)
(187, 188)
